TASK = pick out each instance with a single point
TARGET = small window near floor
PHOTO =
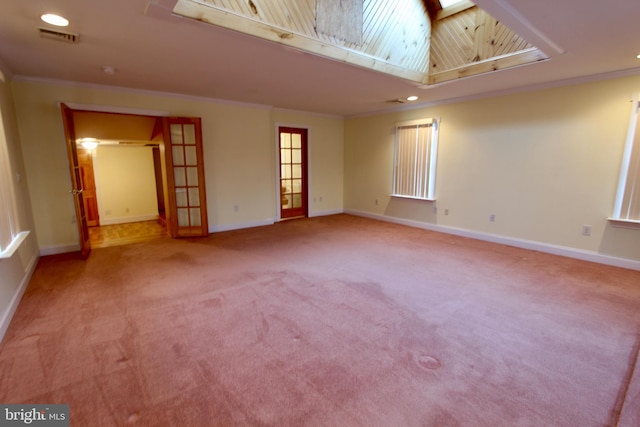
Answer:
(416, 148)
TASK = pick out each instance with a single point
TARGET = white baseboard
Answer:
(59, 249)
(17, 296)
(126, 219)
(509, 241)
(241, 225)
(269, 221)
(325, 213)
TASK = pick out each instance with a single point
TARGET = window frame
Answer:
(629, 173)
(430, 161)
(10, 235)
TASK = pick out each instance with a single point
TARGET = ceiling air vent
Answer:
(58, 35)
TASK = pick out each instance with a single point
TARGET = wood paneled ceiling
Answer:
(394, 35)
(416, 40)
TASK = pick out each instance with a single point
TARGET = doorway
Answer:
(293, 172)
(156, 139)
(129, 196)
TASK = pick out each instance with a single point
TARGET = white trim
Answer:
(508, 241)
(402, 107)
(17, 296)
(417, 122)
(240, 226)
(402, 196)
(126, 219)
(325, 213)
(626, 159)
(14, 245)
(59, 249)
(108, 88)
(496, 93)
(113, 109)
(632, 224)
(308, 113)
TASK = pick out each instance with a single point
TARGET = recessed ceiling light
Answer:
(56, 20)
(638, 56)
(412, 98)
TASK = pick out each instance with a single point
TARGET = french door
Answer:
(89, 191)
(187, 210)
(293, 172)
(76, 180)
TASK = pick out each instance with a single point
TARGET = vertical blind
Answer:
(415, 160)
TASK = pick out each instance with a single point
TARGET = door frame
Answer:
(276, 138)
(67, 108)
(76, 179)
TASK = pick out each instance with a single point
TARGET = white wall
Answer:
(326, 158)
(544, 162)
(16, 270)
(125, 181)
(238, 145)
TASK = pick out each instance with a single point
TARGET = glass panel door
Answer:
(186, 177)
(293, 172)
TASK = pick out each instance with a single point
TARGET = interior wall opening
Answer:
(122, 177)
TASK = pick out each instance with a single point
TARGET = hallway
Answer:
(124, 234)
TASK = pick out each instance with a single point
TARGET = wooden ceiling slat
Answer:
(397, 35)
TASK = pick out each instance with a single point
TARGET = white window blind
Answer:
(416, 148)
(627, 206)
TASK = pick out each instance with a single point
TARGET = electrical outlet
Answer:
(446, 211)
(236, 208)
(377, 202)
(492, 217)
(586, 230)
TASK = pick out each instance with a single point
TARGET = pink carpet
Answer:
(331, 321)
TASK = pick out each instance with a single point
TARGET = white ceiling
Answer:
(153, 50)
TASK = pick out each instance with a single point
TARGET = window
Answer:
(626, 211)
(416, 148)
(8, 226)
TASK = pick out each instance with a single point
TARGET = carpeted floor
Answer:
(330, 321)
